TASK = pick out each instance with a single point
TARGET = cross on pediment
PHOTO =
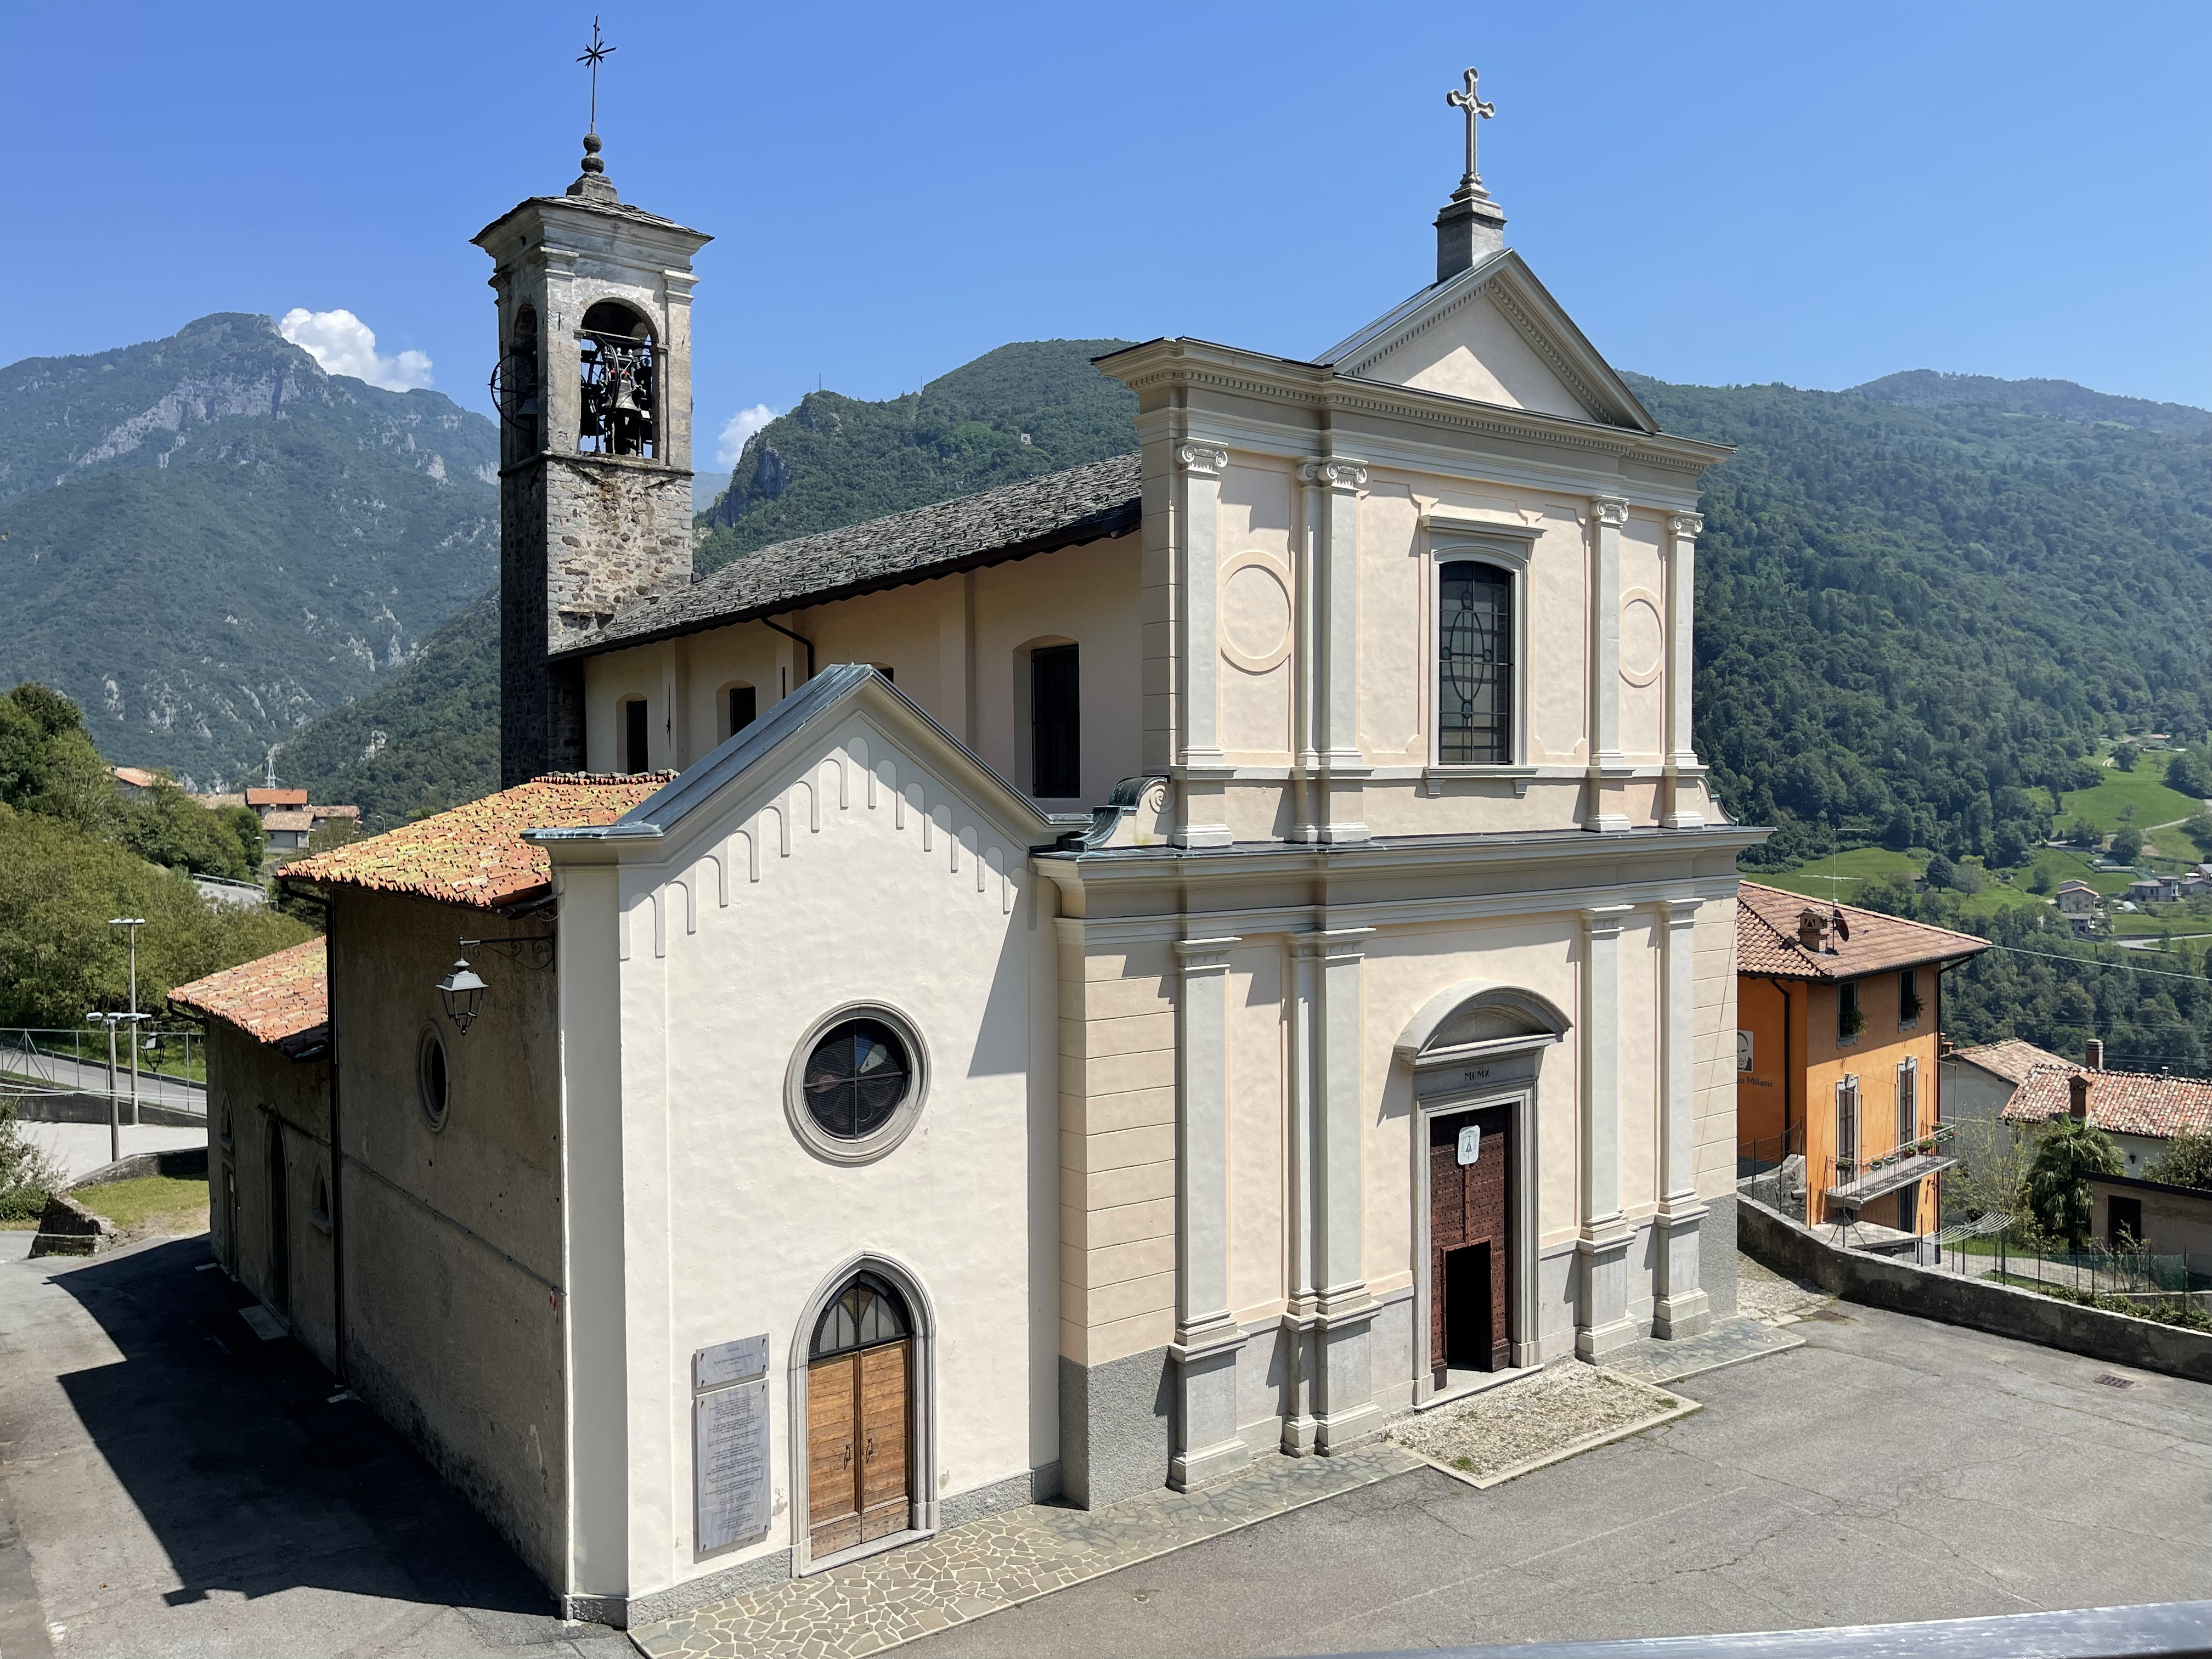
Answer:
(1475, 110)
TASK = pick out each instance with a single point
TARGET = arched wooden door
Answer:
(860, 1415)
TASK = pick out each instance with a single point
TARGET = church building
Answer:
(1069, 990)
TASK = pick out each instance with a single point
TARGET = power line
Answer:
(2099, 961)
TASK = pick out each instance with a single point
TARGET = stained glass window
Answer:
(1474, 675)
(856, 1078)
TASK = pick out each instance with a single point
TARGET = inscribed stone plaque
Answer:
(729, 1433)
(729, 1362)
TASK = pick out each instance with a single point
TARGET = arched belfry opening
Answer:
(1474, 1051)
(618, 411)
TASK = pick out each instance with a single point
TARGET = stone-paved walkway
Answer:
(1000, 1562)
(1730, 1342)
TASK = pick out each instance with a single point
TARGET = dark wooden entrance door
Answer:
(1470, 1224)
(860, 1419)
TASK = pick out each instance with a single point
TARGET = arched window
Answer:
(619, 408)
(1475, 664)
(522, 401)
(867, 1314)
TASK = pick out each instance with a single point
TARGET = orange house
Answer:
(1838, 1010)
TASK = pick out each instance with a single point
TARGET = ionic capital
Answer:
(1335, 473)
(1203, 460)
(1611, 511)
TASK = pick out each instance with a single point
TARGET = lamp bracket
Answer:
(531, 950)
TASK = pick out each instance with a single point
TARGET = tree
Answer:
(2041, 881)
(2127, 844)
(27, 1174)
(2186, 1162)
(2125, 756)
(2185, 775)
(2057, 1187)
(2198, 828)
(1942, 873)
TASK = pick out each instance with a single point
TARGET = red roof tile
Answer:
(474, 854)
(1766, 939)
(272, 999)
(275, 798)
(2125, 1102)
(2011, 1060)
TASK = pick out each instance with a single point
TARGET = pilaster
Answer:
(1205, 1352)
(1202, 774)
(1608, 516)
(1684, 792)
(1682, 1308)
(1601, 1322)
(1335, 483)
(1340, 1384)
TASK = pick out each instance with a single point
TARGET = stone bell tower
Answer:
(595, 395)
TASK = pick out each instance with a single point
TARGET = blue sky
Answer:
(1719, 193)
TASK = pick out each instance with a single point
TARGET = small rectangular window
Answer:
(1908, 997)
(1847, 1121)
(1908, 1103)
(1849, 1021)
(1475, 664)
(741, 708)
(634, 737)
(1055, 724)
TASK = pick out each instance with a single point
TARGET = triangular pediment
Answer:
(1492, 335)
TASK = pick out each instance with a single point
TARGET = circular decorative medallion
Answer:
(1642, 640)
(1255, 617)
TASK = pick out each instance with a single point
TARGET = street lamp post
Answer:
(134, 923)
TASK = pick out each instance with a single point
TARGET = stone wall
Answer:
(1931, 1293)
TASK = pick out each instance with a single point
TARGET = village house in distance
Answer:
(1069, 990)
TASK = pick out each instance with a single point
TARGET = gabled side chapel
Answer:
(1070, 989)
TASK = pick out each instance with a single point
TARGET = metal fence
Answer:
(62, 1061)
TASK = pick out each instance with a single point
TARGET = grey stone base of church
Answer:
(1716, 1255)
(1113, 1427)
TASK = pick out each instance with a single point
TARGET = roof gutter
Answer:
(770, 621)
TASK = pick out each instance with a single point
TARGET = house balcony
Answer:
(1854, 1184)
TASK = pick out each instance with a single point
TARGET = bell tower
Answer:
(593, 389)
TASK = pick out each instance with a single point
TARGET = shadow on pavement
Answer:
(252, 1478)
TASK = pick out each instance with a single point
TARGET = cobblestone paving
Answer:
(998, 1562)
(1535, 1418)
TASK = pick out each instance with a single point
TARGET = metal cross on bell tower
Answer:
(595, 54)
(1475, 110)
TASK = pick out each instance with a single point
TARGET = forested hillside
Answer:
(1038, 406)
(1913, 623)
(206, 540)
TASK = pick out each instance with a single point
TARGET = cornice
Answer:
(1541, 343)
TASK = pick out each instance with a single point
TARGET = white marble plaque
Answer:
(729, 1434)
(1470, 1145)
(729, 1362)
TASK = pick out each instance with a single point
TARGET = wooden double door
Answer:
(1470, 1241)
(859, 1417)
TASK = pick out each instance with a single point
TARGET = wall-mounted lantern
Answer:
(463, 990)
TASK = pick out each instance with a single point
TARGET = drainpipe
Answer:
(771, 621)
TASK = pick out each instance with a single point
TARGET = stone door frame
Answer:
(1518, 1097)
(921, 1415)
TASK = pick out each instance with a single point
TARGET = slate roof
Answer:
(1766, 939)
(2121, 1103)
(282, 999)
(1015, 521)
(2011, 1060)
(474, 854)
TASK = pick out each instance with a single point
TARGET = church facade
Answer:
(1061, 992)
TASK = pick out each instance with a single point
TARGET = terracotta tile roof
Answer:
(474, 854)
(2123, 1103)
(1766, 939)
(275, 798)
(322, 812)
(2011, 1060)
(301, 819)
(136, 776)
(282, 999)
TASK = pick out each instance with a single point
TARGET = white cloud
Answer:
(741, 426)
(343, 345)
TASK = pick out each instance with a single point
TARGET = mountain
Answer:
(207, 540)
(1033, 407)
(1924, 388)
(1914, 621)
